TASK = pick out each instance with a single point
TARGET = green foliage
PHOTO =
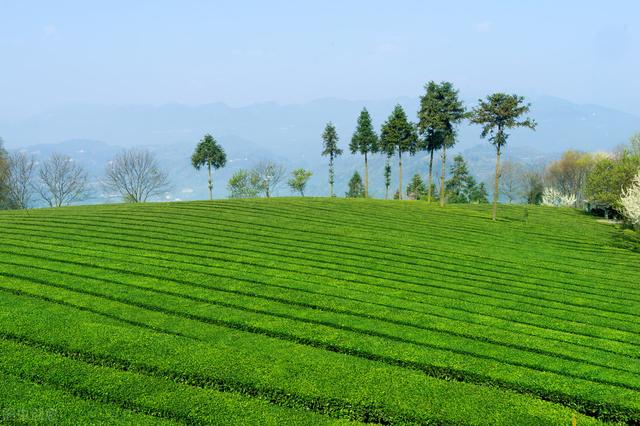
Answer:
(416, 187)
(387, 177)
(242, 184)
(398, 135)
(462, 186)
(331, 150)
(610, 176)
(499, 113)
(208, 153)
(309, 311)
(440, 111)
(478, 194)
(299, 179)
(364, 139)
(356, 187)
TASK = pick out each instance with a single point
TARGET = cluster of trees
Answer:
(133, 174)
(441, 111)
(600, 182)
(461, 187)
(263, 179)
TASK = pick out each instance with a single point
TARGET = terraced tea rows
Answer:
(305, 311)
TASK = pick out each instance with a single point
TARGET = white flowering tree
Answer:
(630, 201)
(553, 197)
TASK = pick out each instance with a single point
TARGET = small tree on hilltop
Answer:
(299, 179)
(462, 187)
(532, 181)
(497, 114)
(457, 186)
(242, 184)
(268, 176)
(62, 181)
(398, 135)
(136, 175)
(20, 180)
(364, 141)
(331, 150)
(356, 187)
(478, 194)
(208, 152)
(511, 183)
(416, 188)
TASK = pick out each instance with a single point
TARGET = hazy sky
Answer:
(55, 53)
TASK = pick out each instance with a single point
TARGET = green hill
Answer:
(310, 311)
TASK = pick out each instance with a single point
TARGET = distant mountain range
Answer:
(290, 134)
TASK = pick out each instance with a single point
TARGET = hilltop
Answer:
(311, 310)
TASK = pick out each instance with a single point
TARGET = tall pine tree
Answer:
(399, 136)
(364, 141)
(430, 127)
(440, 112)
(331, 150)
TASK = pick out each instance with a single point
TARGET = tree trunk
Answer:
(496, 187)
(443, 195)
(210, 183)
(399, 175)
(366, 176)
(331, 179)
(430, 175)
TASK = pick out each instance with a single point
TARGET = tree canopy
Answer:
(209, 153)
(398, 135)
(299, 179)
(499, 113)
(364, 139)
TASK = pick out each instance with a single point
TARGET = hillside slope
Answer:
(310, 311)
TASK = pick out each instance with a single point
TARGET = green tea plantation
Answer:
(316, 311)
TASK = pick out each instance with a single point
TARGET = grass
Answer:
(310, 311)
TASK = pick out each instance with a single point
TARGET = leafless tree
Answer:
(20, 180)
(511, 183)
(62, 181)
(269, 176)
(136, 175)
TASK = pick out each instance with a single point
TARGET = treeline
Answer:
(606, 183)
(603, 183)
(440, 113)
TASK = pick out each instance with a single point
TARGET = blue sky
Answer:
(57, 53)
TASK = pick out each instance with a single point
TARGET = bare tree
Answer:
(20, 180)
(268, 176)
(511, 182)
(136, 175)
(62, 181)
